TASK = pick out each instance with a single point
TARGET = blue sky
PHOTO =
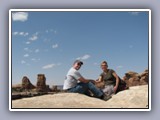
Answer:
(49, 42)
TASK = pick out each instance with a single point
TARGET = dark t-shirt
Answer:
(108, 77)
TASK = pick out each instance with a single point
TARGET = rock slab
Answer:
(135, 97)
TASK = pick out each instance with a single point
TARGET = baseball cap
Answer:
(78, 61)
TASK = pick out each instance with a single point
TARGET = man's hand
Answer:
(93, 81)
(115, 89)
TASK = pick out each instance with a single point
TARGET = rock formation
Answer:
(41, 84)
(19, 90)
(26, 84)
(144, 77)
(134, 79)
(54, 88)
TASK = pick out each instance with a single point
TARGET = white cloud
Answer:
(35, 60)
(95, 63)
(55, 32)
(25, 34)
(37, 50)
(23, 62)
(85, 57)
(134, 13)
(28, 42)
(36, 33)
(21, 33)
(48, 66)
(119, 67)
(15, 33)
(20, 16)
(51, 31)
(55, 46)
(26, 55)
(47, 31)
(33, 38)
(26, 49)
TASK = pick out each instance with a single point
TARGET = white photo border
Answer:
(79, 109)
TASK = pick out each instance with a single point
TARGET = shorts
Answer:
(108, 89)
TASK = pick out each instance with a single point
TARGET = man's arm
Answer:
(99, 79)
(117, 81)
(81, 79)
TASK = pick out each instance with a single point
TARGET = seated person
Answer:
(76, 83)
(111, 80)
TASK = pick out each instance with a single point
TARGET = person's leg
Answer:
(79, 88)
(108, 90)
(84, 88)
(97, 92)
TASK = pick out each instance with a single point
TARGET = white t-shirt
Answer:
(71, 79)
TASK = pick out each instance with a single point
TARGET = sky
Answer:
(48, 42)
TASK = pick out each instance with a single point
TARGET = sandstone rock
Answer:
(135, 79)
(135, 97)
(26, 84)
(41, 83)
(144, 77)
(54, 88)
(131, 74)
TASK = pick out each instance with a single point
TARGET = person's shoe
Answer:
(106, 97)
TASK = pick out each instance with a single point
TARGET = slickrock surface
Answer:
(135, 97)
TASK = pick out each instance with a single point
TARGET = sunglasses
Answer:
(103, 65)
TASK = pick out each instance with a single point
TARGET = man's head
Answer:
(104, 65)
(77, 64)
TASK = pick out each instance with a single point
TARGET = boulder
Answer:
(144, 77)
(131, 74)
(135, 79)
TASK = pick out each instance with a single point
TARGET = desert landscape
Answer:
(41, 96)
